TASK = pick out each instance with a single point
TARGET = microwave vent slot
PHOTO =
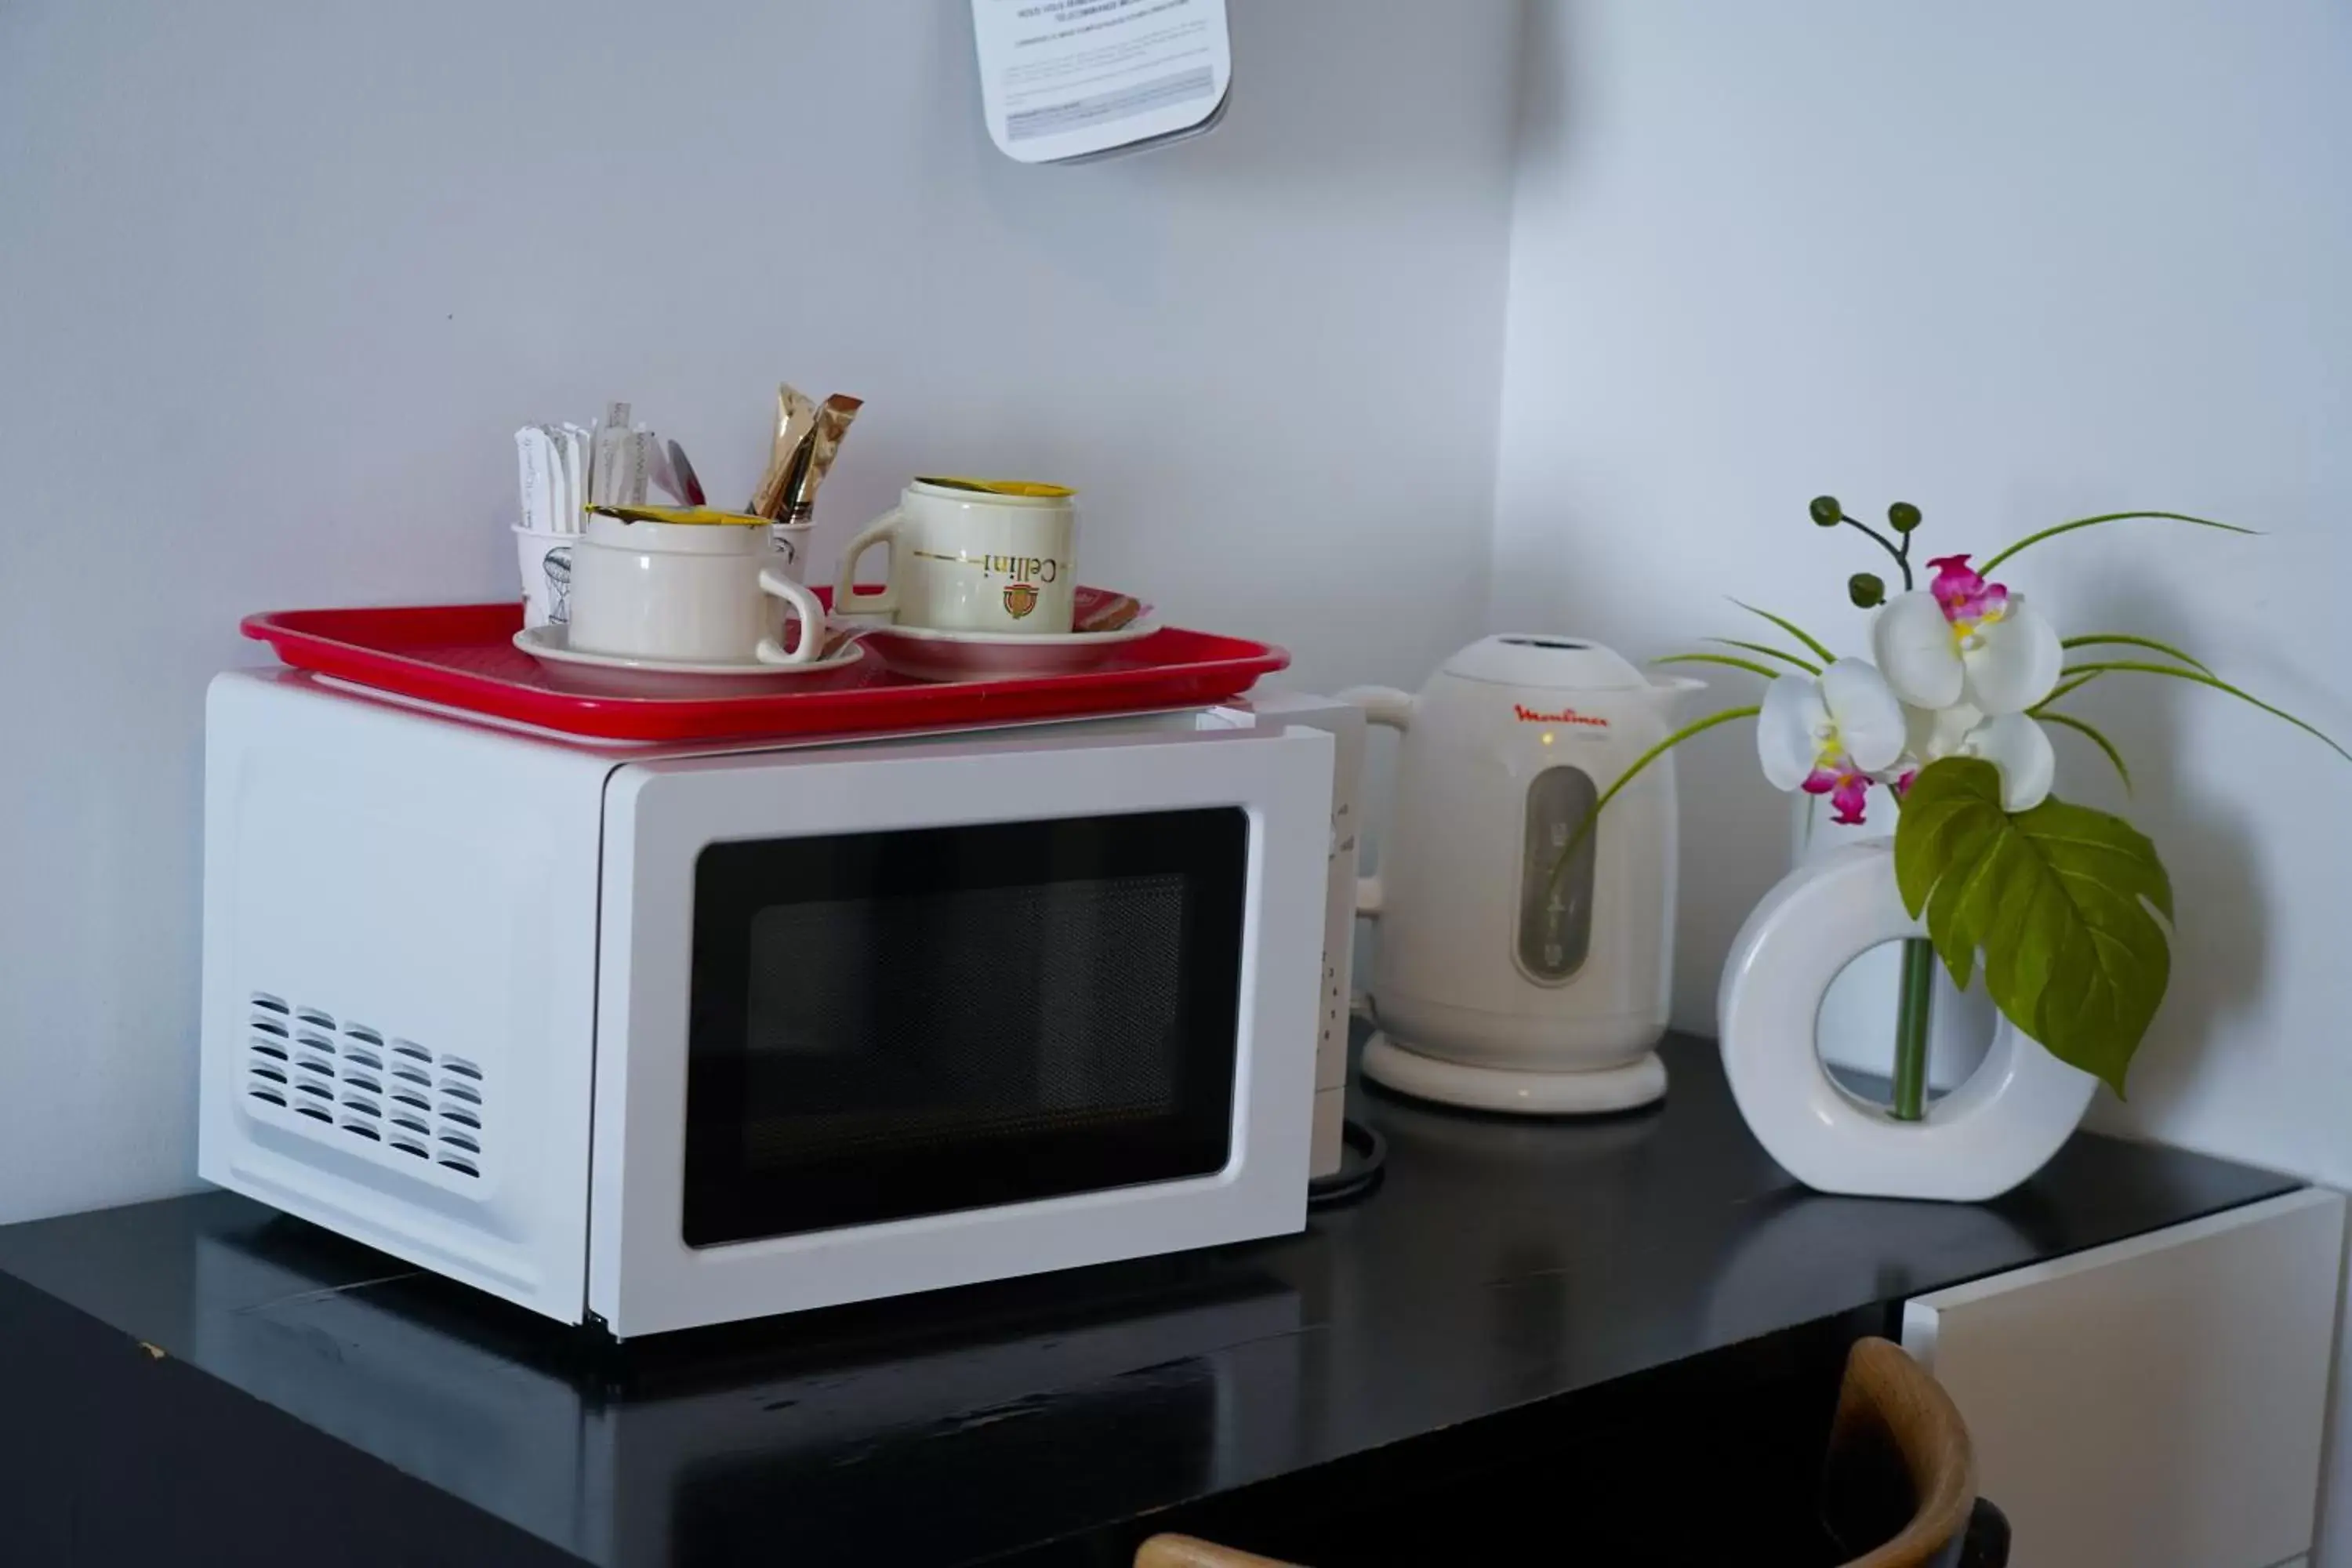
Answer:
(375, 1095)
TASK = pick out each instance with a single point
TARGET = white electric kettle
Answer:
(1505, 979)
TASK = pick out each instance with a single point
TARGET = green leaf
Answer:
(2096, 639)
(1769, 651)
(1767, 671)
(2201, 679)
(1986, 569)
(2056, 899)
(1793, 629)
(1697, 726)
(2082, 727)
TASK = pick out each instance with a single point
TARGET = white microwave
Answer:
(657, 1039)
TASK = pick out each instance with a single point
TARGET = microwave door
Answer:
(906, 1022)
(876, 1021)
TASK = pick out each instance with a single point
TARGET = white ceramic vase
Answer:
(1984, 1137)
(1854, 1033)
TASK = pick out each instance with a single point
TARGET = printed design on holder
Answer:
(557, 565)
(1020, 598)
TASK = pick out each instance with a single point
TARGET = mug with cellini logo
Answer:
(971, 555)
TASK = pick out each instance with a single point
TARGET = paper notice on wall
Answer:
(1074, 78)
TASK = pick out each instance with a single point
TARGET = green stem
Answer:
(2201, 679)
(1808, 666)
(1749, 664)
(1793, 629)
(1986, 570)
(1902, 556)
(2126, 639)
(2094, 735)
(1583, 829)
(2064, 689)
(1912, 1009)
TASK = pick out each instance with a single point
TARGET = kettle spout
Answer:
(1667, 690)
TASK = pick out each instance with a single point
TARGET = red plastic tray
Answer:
(463, 656)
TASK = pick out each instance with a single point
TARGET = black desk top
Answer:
(1502, 1263)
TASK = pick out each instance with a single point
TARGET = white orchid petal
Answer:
(1868, 717)
(2021, 749)
(1786, 730)
(2016, 661)
(1934, 733)
(1913, 644)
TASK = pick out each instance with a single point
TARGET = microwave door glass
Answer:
(894, 1024)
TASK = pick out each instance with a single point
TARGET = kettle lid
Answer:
(1530, 659)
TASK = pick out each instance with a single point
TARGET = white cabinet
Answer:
(2155, 1403)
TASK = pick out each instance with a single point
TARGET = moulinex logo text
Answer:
(1565, 716)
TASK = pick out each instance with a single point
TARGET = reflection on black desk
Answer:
(204, 1379)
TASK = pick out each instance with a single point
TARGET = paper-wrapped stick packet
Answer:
(833, 417)
(796, 415)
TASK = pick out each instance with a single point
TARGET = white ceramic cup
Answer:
(703, 592)
(971, 558)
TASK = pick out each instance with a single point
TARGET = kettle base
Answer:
(1394, 1065)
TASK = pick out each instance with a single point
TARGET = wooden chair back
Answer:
(1900, 1473)
(1187, 1551)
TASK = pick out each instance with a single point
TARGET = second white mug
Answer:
(979, 555)
(697, 591)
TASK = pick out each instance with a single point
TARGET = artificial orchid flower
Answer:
(1931, 734)
(2012, 742)
(1964, 640)
(1830, 736)
(1848, 792)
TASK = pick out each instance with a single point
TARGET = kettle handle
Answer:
(1383, 705)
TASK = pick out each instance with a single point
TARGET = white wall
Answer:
(277, 281)
(2016, 262)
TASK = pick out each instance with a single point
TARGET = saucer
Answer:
(668, 676)
(932, 653)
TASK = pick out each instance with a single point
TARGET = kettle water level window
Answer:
(1556, 914)
(894, 1024)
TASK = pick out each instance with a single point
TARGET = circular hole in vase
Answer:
(1855, 1028)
